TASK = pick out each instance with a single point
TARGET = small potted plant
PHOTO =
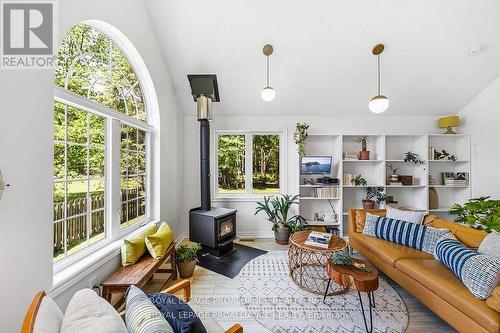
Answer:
(300, 137)
(277, 211)
(359, 181)
(373, 195)
(363, 154)
(412, 158)
(187, 257)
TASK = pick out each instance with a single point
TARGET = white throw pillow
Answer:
(405, 215)
(49, 317)
(89, 313)
(490, 245)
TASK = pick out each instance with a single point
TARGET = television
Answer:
(316, 165)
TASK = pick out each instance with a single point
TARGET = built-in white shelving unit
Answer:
(386, 149)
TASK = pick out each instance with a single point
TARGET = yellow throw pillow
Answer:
(132, 249)
(158, 243)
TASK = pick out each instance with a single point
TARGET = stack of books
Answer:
(455, 179)
(430, 153)
(348, 177)
(325, 192)
(318, 239)
(350, 155)
(394, 183)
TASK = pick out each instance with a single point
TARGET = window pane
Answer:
(90, 64)
(124, 136)
(77, 125)
(132, 212)
(59, 166)
(58, 201)
(142, 209)
(59, 122)
(77, 198)
(141, 140)
(142, 186)
(132, 138)
(97, 129)
(265, 160)
(132, 187)
(231, 163)
(76, 234)
(97, 226)
(96, 162)
(132, 163)
(141, 163)
(58, 251)
(77, 162)
(96, 193)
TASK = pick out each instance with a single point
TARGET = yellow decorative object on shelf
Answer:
(448, 123)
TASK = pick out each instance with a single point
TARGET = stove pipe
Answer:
(205, 163)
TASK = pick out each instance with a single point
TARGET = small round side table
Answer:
(307, 264)
(360, 280)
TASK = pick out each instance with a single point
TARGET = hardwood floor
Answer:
(217, 294)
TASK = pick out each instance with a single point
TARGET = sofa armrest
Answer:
(236, 328)
(184, 285)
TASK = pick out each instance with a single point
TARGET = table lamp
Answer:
(448, 123)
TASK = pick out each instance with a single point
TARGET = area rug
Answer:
(232, 264)
(273, 300)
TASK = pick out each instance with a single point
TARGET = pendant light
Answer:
(268, 92)
(379, 103)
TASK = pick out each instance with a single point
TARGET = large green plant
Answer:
(187, 252)
(277, 212)
(480, 213)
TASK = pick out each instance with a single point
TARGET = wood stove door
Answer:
(226, 226)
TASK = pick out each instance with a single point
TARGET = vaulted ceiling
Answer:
(322, 62)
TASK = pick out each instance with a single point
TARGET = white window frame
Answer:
(114, 119)
(248, 194)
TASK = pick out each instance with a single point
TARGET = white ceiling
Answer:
(322, 63)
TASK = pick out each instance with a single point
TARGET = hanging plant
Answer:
(300, 137)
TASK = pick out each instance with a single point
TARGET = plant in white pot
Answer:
(187, 257)
(277, 211)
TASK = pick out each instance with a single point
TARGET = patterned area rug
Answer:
(272, 299)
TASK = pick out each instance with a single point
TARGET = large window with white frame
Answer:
(249, 163)
(102, 145)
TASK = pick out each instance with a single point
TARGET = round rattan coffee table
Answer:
(307, 265)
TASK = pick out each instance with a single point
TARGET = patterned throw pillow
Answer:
(410, 234)
(360, 219)
(405, 215)
(490, 245)
(479, 273)
(141, 315)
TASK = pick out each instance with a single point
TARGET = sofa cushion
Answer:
(388, 251)
(49, 317)
(468, 236)
(158, 243)
(133, 248)
(439, 279)
(361, 219)
(405, 215)
(490, 245)
(494, 300)
(89, 313)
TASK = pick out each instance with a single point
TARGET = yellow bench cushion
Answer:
(133, 248)
(158, 243)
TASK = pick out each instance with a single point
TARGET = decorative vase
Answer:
(433, 198)
(364, 155)
(186, 269)
(368, 204)
(394, 178)
(281, 235)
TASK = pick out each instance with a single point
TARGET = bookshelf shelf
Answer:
(386, 149)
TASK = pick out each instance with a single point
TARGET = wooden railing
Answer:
(77, 226)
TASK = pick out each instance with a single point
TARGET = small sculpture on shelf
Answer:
(393, 178)
(364, 154)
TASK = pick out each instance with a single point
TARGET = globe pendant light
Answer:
(268, 92)
(379, 103)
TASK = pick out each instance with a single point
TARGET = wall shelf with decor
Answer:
(447, 178)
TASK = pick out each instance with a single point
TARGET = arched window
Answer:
(102, 144)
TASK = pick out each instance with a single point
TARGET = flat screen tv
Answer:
(316, 165)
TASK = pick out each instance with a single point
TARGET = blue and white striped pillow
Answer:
(479, 273)
(410, 234)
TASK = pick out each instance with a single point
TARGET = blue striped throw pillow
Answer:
(409, 234)
(479, 273)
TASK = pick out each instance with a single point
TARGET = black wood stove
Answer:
(213, 228)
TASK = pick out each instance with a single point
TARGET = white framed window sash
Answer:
(112, 171)
(248, 194)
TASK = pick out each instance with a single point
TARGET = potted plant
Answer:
(393, 178)
(363, 154)
(479, 213)
(186, 255)
(373, 195)
(412, 158)
(444, 155)
(359, 181)
(277, 211)
(300, 137)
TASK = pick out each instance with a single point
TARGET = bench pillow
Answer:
(133, 248)
(360, 219)
(89, 313)
(158, 243)
(479, 273)
(409, 234)
(178, 313)
(141, 315)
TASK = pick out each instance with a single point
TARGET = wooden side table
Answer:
(360, 280)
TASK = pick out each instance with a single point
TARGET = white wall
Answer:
(26, 159)
(481, 119)
(257, 226)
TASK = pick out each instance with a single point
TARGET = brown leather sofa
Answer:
(426, 278)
